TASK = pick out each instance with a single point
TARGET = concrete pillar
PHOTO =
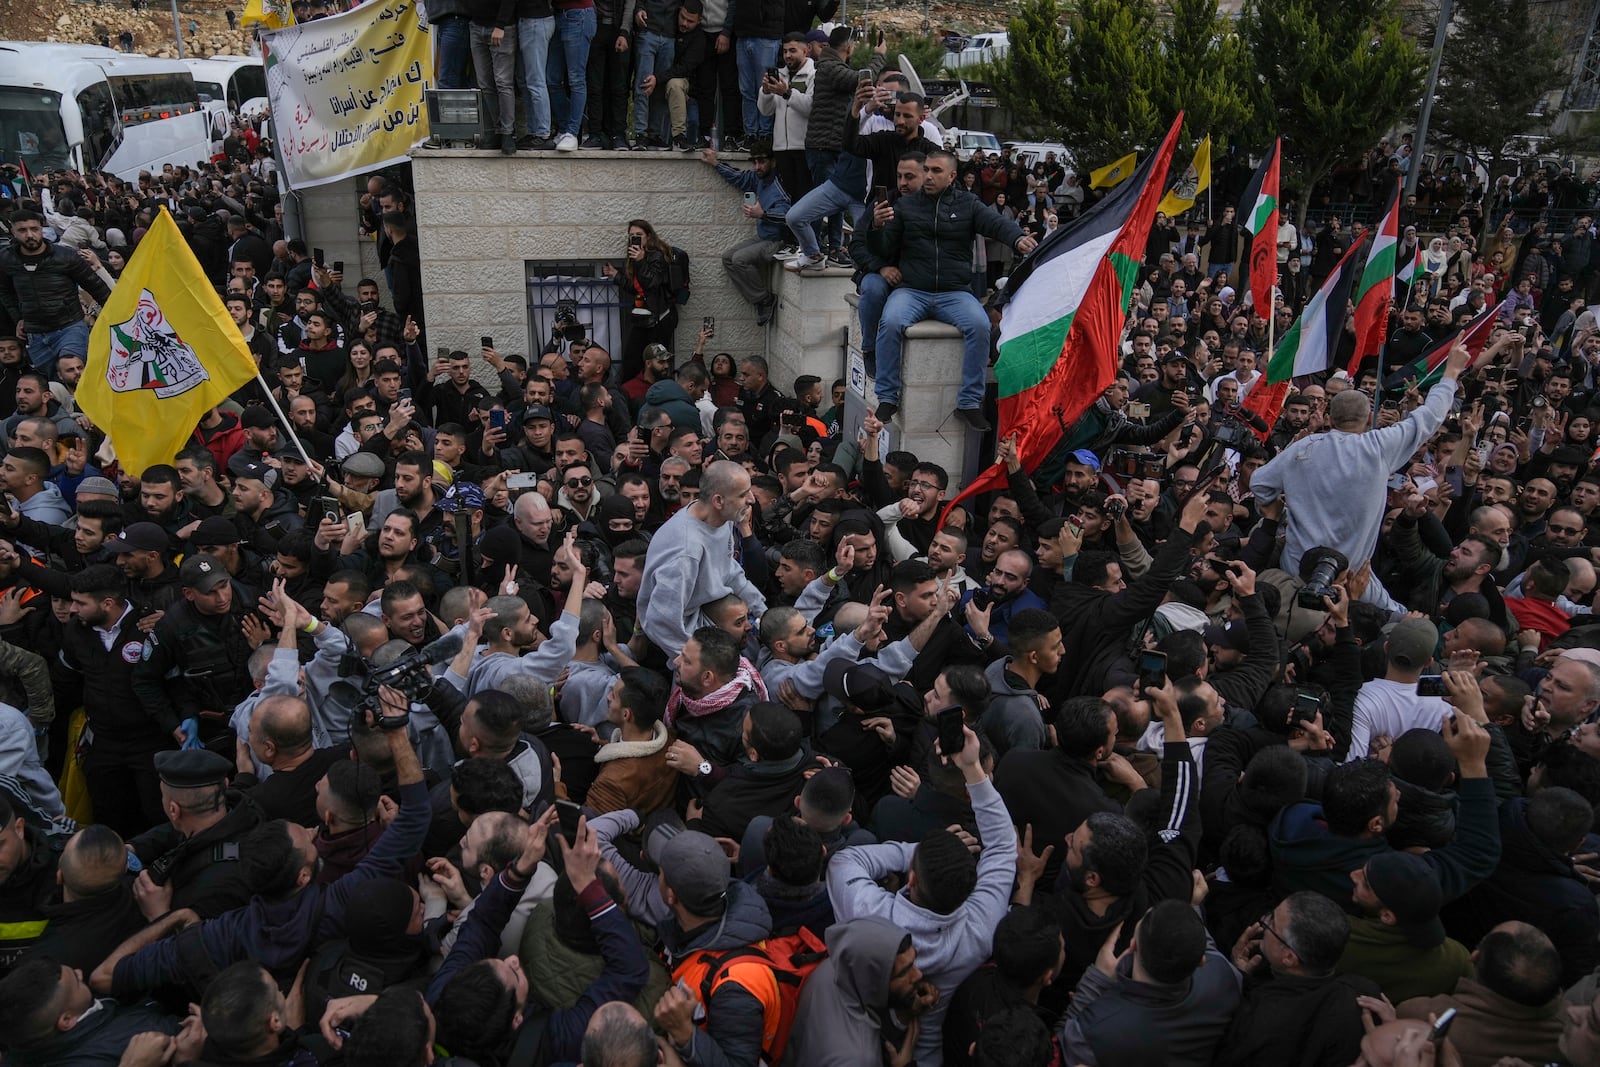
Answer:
(926, 425)
(332, 216)
(808, 334)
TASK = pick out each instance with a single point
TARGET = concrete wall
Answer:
(808, 333)
(482, 216)
(331, 215)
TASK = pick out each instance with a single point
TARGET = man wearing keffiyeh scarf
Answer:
(715, 687)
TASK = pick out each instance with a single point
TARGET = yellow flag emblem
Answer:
(164, 351)
(1114, 173)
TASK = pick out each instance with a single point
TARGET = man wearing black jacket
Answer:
(931, 237)
(674, 84)
(39, 285)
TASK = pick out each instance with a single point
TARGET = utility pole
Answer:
(1427, 98)
(177, 28)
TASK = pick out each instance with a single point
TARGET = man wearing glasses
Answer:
(577, 490)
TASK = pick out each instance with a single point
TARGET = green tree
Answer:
(1331, 78)
(1113, 81)
(1205, 73)
(1497, 64)
(1032, 78)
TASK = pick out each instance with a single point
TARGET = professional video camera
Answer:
(356, 692)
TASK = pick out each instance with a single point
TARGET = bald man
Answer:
(618, 1036)
(97, 911)
(280, 737)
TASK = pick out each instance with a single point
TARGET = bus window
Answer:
(210, 91)
(248, 82)
(151, 97)
(30, 129)
(99, 123)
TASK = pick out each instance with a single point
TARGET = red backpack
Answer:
(772, 971)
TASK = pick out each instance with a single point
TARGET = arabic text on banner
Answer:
(346, 91)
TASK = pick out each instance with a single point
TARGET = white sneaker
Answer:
(566, 143)
(816, 262)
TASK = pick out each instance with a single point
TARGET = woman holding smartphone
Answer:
(649, 305)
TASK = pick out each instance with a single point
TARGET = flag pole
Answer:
(283, 420)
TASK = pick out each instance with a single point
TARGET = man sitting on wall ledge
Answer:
(931, 238)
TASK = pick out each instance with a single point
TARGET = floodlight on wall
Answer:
(454, 114)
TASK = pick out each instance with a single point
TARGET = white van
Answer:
(965, 142)
(1030, 152)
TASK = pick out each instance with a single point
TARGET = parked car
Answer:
(965, 142)
(1030, 152)
(979, 48)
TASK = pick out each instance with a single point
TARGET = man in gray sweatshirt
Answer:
(692, 561)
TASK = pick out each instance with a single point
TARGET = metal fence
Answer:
(576, 287)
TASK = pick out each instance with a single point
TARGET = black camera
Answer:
(1319, 585)
(1234, 435)
(356, 692)
(1115, 509)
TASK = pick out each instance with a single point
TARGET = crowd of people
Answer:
(504, 709)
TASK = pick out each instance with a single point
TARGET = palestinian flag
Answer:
(1259, 209)
(1309, 345)
(1429, 367)
(1062, 316)
(1375, 293)
(1406, 274)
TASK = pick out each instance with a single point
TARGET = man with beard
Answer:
(195, 662)
(867, 994)
(262, 347)
(262, 515)
(1435, 582)
(413, 490)
(39, 285)
(386, 556)
(669, 484)
(514, 644)
(261, 440)
(911, 522)
(1407, 343)
(197, 473)
(1005, 594)
(946, 552)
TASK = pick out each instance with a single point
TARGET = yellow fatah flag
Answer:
(273, 14)
(1195, 180)
(164, 351)
(1112, 173)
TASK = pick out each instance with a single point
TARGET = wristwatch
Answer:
(704, 768)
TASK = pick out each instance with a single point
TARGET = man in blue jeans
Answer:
(536, 25)
(757, 35)
(931, 237)
(879, 276)
(654, 45)
(39, 284)
(568, 69)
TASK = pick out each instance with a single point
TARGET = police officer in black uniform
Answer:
(195, 662)
(193, 860)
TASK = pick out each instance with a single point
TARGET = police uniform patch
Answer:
(133, 652)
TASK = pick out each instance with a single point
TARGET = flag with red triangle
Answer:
(1375, 291)
(1429, 367)
(1258, 271)
(1062, 317)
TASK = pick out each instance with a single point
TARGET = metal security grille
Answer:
(558, 288)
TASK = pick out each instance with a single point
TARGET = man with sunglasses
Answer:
(577, 493)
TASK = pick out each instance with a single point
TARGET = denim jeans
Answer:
(756, 54)
(870, 298)
(567, 73)
(45, 348)
(825, 199)
(495, 68)
(533, 38)
(906, 307)
(455, 46)
(655, 53)
(820, 161)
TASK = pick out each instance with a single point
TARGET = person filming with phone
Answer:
(765, 203)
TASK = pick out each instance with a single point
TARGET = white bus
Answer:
(86, 108)
(239, 82)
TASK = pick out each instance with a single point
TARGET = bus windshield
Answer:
(211, 91)
(31, 130)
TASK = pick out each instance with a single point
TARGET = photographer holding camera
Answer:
(1334, 481)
